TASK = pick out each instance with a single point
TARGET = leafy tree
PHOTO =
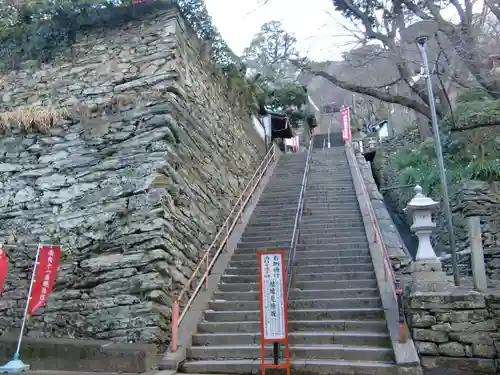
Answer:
(288, 99)
(269, 54)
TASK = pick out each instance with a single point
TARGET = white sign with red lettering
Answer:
(273, 296)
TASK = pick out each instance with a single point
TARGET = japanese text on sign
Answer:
(273, 296)
(45, 276)
(346, 124)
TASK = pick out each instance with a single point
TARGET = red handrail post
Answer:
(402, 326)
(175, 326)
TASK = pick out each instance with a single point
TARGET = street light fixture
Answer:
(420, 33)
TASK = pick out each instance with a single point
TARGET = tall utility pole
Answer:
(422, 46)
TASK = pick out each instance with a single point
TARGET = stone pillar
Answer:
(428, 275)
(476, 253)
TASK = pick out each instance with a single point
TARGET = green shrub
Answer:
(41, 30)
(418, 165)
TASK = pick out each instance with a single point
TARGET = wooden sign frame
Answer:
(263, 340)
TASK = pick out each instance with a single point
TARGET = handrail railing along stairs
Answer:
(223, 236)
(298, 218)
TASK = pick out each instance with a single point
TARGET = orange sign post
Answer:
(273, 307)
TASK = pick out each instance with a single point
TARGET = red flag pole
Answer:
(23, 324)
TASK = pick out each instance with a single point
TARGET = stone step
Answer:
(298, 294)
(294, 326)
(331, 351)
(319, 268)
(253, 366)
(321, 200)
(324, 186)
(337, 247)
(284, 191)
(325, 241)
(306, 258)
(307, 261)
(303, 285)
(333, 293)
(306, 314)
(346, 215)
(363, 275)
(344, 235)
(327, 268)
(278, 227)
(312, 227)
(277, 213)
(316, 303)
(321, 203)
(322, 236)
(327, 213)
(340, 243)
(341, 184)
(282, 229)
(335, 284)
(379, 339)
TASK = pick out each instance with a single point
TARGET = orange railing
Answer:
(389, 275)
(219, 243)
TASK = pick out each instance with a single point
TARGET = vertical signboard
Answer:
(273, 308)
(346, 124)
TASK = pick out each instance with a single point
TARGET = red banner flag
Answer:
(45, 276)
(4, 268)
(346, 124)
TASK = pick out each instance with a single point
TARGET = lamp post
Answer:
(420, 32)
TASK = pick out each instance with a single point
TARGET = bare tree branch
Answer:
(386, 97)
(495, 122)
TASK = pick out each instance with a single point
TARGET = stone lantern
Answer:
(421, 208)
(428, 275)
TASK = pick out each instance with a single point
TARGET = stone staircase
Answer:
(228, 339)
(336, 320)
(334, 287)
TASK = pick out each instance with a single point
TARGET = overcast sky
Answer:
(314, 23)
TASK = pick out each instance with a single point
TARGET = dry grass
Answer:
(35, 119)
(42, 119)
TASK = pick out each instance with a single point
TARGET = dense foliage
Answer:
(287, 99)
(40, 30)
(470, 154)
(269, 55)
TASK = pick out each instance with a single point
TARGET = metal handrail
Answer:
(377, 238)
(224, 233)
(298, 217)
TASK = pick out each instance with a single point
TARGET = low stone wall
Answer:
(456, 329)
(395, 247)
(89, 356)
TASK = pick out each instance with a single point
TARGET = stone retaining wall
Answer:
(147, 154)
(457, 329)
